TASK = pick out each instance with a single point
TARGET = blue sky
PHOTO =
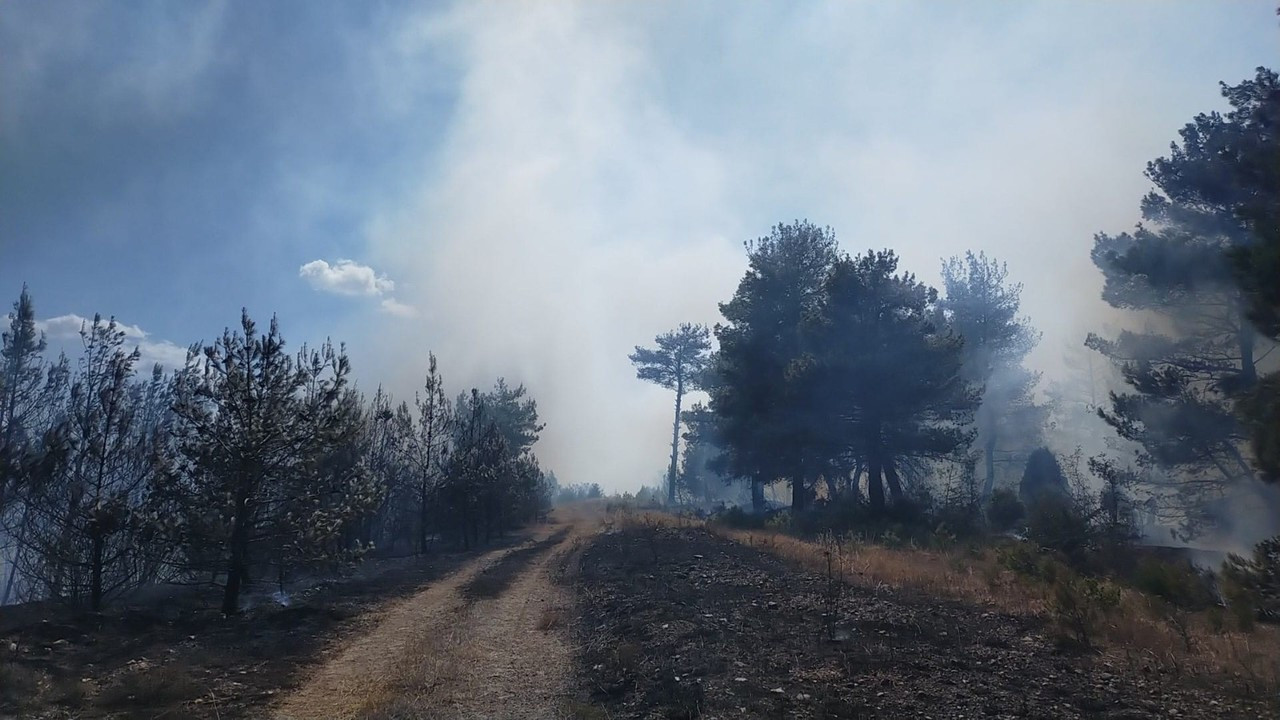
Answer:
(531, 189)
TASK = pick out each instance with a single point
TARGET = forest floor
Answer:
(681, 623)
(178, 657)
(585, 619)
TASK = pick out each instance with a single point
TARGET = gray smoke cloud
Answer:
(604, 164)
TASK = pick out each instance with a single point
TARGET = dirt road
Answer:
(487, 642)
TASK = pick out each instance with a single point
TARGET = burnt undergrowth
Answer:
(679, 623)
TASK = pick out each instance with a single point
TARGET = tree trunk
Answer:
(95, 576)
(833, 488)
(799, 494)
(238, 562)
(989, 463)
(13, 568)
(891, 478)
(875, 488)
(855, 482)
(757, 496)
(675, 446)
(1248, 373)
(422, 521)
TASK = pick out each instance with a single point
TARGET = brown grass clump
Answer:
(967, 576)
(550, 619)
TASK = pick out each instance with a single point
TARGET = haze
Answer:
(531, 191)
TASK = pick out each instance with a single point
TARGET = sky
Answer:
(530, 190)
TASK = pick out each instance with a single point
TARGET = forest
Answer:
(873, 505)
(882, 405)
(250, 464)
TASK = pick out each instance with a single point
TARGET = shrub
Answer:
(779, 522)
(1256, 581)
(1004, 510)
(1078, 606)
(739, 519)
(1056, 524)
(1180, 584)
(1042, 480)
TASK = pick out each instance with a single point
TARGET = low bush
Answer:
(1253, 584)
(1004, 510)
(1057, 525)
(738, 518)
(1180, 584)
(1078, 607)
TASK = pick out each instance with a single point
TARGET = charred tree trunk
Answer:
(855, 481)
(238, 561)
(675, 445)
(799, 493)
(895, 485)
(875, 488)
(989, 464)
(422, 520)
(96, 562)
(757, 495)
(1244, 336)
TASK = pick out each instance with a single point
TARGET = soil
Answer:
(488, 642)
(180, 658)
(679, 623)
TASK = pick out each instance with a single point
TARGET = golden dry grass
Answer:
(1140, 631)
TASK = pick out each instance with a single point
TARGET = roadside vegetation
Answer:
(883, 431)
(204, 521)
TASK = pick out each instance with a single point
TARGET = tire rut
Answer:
(477, 645)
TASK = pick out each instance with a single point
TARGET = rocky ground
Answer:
(679, 623)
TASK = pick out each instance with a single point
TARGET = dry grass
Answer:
(1140, 631)
(977, 578)
(551, 619)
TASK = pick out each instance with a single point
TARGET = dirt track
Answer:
(487, 642)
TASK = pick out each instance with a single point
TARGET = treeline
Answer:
(848, 380)
(249, 464)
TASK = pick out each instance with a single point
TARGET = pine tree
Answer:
(760, 341)
(982, 306)
(84, 524)
(22, 375)
(1214, 193)
(679, 363)
(885, 380)
(266, 455)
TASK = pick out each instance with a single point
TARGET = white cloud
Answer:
(345, 277)
(64, 332)
(66, 327)
(391, 306)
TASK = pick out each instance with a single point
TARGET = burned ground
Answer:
(495, 579)
(182, 658)
(679, 623)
